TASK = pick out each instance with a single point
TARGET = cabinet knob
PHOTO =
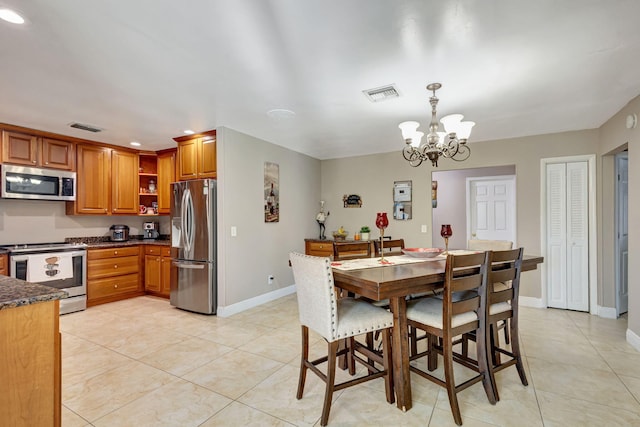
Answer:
(33, 161)
(115, 266)
(115, 286)
(115, 252)
(46, 163)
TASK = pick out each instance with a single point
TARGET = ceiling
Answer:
(145, 70)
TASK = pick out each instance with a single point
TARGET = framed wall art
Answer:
(271, 192)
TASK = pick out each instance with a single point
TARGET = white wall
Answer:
(260, 249)
(38, 221)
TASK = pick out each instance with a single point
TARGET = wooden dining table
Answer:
(396, 282)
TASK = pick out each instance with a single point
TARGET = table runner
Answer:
(361, 263)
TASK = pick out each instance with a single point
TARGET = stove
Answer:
(30, 248)
(59, 265)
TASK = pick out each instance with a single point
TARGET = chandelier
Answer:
(451, 144)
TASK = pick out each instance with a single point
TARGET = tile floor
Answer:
(141, 362)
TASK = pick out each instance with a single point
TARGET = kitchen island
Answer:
(31, 353)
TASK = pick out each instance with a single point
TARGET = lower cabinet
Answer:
(157, 270)
(4, 265)
(113, 274)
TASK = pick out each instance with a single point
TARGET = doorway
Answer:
(622, 220)
(491, 208)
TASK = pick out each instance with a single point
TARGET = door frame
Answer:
(513, 201)
(616, 253)
(593, 227)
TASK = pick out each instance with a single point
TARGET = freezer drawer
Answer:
(193, 286)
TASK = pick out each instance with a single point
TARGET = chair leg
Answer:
(496, 342)
(447, 353)
(515, 350)
(484, 354)
(331, 379)
(351, 362)
(303, 358)
(506, 331)
(371, 343)
(413, 345)
(432, 355)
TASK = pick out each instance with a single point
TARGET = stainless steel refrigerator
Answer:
(193, 245)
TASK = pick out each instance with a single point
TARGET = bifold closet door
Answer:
(567, 236)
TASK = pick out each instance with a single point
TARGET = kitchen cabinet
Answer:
(157, 270)
(148, 181)
(197, 156)
(31, 150)
(107, 182)
(31, 365)
(113, 274)
(4, 266)
(166, 175)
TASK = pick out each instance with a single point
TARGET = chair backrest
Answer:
(351, 250)
(465, 287)
(489, 245)
(506, 266)
(317, 303)
(391, 247)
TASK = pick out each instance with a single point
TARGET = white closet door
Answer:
(577, 237)
(568, 236)
(556, 258)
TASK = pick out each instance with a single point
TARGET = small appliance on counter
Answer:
(150, 230)
(119, 233)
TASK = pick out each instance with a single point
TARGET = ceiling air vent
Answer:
(381, 93)
(88, 128)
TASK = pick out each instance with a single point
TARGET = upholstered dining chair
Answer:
(494, 245)
(391, 247)
(337, 320)
(444, 319)
(502, 306)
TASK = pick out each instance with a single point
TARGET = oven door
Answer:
(75, 286)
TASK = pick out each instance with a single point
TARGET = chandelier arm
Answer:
(412, 155)
(462, 154)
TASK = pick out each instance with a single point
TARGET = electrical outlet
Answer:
(424, 228)
(270, 280)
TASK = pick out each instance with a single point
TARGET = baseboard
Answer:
(633, 339)
(232, 309)
(607, 312)
(531, 302)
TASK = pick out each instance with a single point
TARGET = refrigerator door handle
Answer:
(187, 265)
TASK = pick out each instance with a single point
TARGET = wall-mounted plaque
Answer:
(402, 200)
(352, 201)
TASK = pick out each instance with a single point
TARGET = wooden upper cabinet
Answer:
(107, 182)
(93, 181)
(30, 150)
(166, 175)
(124, 182)
(197, 156)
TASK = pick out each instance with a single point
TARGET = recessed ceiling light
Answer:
(11, 16)
(281, 114)
(188, 132)
(135, 144)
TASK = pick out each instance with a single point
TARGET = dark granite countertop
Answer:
(17, 293)
(105, 242)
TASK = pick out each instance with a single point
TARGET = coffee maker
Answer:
(151, 230)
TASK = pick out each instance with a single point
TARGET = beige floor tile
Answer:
(72, 345)
(178, 403)
(146, 342)
(560, 411)
(443, 418)
(633, 384)
(71, 419)
(113, 389)
(597, 386)
(556, 351)
(623, 363)
(185, 356)
(239, 415)
(281, 345)
(80, 367)
(233, 333)
(233, 373)
(611, 343)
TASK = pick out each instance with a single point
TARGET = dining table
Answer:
(396, 280)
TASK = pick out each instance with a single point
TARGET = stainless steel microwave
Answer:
(21, 182)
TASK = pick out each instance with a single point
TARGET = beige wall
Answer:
(372, 177)
(39, 221)
(260, 248)
(614, 136)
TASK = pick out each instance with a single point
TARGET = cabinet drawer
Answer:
(112, 267)
(157, 250)
(112, 252)
(99, 288)
(323, 249)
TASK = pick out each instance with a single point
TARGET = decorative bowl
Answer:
(422, 252)
(340, 236)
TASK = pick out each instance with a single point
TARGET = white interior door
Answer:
(622, 212)
(567, 235)
(491, 208)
